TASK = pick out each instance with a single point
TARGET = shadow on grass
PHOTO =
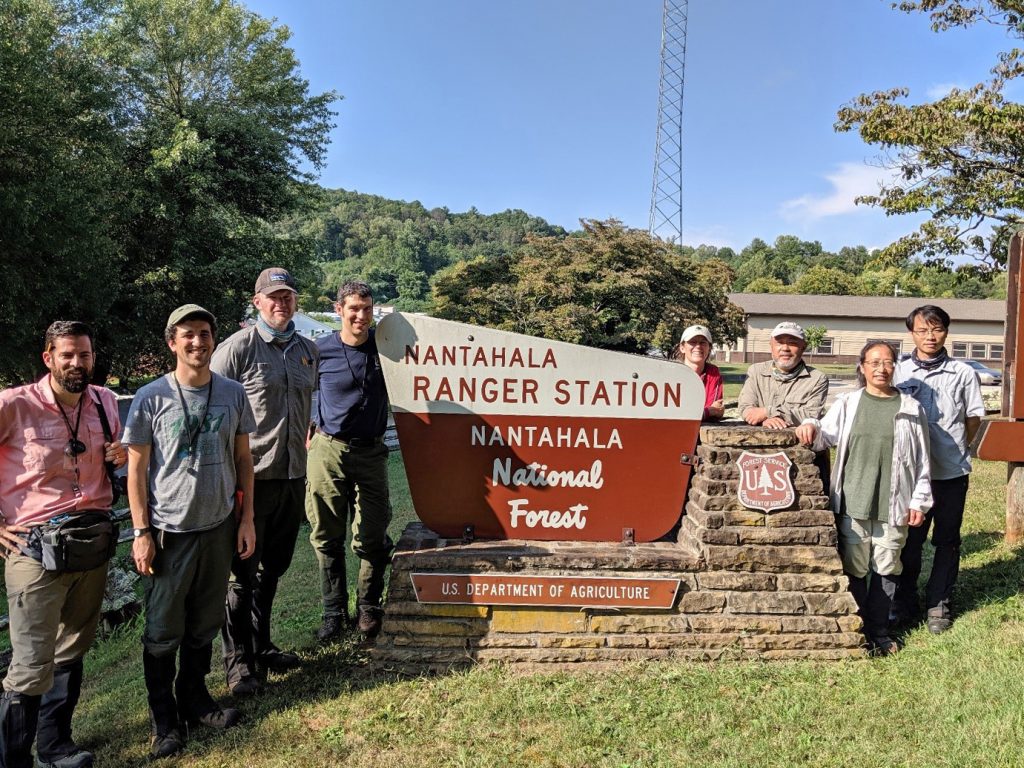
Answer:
(995, 581)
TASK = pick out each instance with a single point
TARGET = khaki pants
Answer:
(53, 620)
(870, 545)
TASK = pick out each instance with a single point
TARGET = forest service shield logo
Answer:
(764, 480)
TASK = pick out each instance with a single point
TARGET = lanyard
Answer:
(73, 432)
(193, 440)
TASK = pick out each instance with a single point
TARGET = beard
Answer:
(72, 380)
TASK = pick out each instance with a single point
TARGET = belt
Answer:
(353, 442)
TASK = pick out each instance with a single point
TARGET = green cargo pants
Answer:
(340, 477)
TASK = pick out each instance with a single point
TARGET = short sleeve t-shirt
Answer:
(867, 475)
(191, 468)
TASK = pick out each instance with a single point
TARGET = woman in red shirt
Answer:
(694, 350)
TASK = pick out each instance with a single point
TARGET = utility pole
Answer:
(666, 219)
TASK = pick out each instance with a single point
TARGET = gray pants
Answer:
(185, 595)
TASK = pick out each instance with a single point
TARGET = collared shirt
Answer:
(949, 394)
(37, 480)
(793, 401)
(279, 380)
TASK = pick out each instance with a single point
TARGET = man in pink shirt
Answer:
(52, 454)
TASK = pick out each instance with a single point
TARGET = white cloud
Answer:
(941, 90)
(848, 182)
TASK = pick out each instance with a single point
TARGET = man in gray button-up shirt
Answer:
(277, 367)
(949, 392)
(784, 391)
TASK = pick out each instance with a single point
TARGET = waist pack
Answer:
(73, 543)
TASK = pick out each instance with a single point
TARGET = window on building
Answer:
(978, 351)
(825, 348)
(897, 344)
(995, 351)
(960, 349)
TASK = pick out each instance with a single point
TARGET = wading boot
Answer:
(163, 710)
(54, 745)
(19, 713)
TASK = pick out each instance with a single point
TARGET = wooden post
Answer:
(1010, 406)
(1003, 439)
(1014, 502)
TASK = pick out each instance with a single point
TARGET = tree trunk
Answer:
(1014, 503)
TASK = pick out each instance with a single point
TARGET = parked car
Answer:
(985, 374)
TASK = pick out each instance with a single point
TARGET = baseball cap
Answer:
(787, 328)
(188, 312)
(275, 279)
(697, 330)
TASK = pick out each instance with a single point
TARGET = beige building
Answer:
(975, 332)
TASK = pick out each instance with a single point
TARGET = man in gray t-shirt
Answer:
(188, 453)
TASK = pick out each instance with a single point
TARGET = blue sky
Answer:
(551, 106)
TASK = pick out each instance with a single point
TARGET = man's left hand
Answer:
(775, 422)
(246, 539)
(115, 453)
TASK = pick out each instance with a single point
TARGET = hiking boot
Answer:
(332, 628)
(883, 645)
(369, 621)
(938, 621)
(218, 718)
(246, 686)
(166, 744)
(276, 660)
(80, 758)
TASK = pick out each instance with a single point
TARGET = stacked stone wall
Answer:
(765, 585)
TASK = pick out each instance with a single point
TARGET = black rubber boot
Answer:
(163, 710)
(195, 704)
(54, 745)
(19, 714)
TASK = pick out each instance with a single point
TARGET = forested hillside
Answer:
(402, 249)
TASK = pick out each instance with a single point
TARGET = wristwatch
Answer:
(137, 532)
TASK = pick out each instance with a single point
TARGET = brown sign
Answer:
(525, 438)
(569, 591)
(764, 480)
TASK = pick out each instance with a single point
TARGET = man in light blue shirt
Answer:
(950, 394)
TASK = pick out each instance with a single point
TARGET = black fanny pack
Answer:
(72, 543)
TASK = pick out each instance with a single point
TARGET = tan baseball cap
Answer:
(786, 328)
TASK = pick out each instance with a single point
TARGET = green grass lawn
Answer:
(949, 700)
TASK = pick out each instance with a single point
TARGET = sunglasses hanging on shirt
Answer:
(75, 447)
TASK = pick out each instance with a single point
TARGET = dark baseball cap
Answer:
(190, 312)
(275, 279)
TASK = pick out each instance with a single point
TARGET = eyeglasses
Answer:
(75, 447)
(876, 364)
(926, 332)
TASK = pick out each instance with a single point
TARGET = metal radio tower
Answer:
(667, 190)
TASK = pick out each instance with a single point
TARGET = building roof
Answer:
(795, 305)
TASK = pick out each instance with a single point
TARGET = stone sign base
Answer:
(752, 584)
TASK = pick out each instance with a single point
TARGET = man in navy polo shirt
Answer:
(348, 466)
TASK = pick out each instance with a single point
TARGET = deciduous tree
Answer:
(960, 158)
(607, 286)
